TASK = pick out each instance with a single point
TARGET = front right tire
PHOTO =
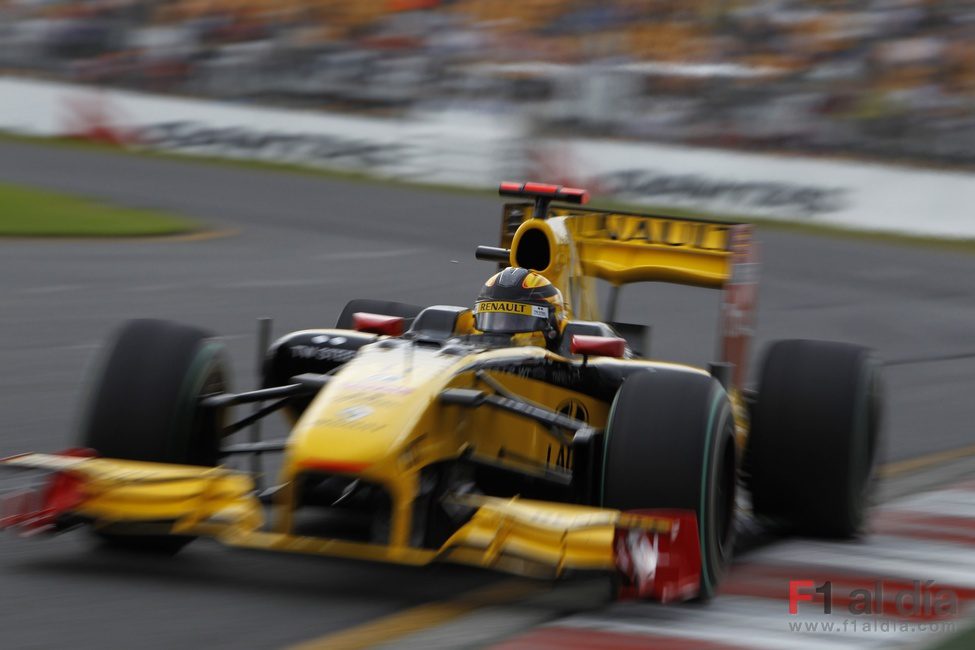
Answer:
(670, 443)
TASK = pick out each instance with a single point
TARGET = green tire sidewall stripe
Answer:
(715, 404)
(709, 434)
(861, 427)
(196, 375)
(609, 421)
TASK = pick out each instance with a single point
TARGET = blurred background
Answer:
(845, 129)
(880, 78)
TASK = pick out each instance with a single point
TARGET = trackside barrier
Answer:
(474, 150)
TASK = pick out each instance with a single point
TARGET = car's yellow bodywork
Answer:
(379, 419)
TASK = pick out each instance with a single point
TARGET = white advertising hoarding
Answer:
(448, 149)
(472, 150)
(841, 193)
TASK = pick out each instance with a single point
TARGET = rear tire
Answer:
(815, 431)
(670, 443)
(145, 406)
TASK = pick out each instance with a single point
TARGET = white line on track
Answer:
(277, 284)
(49, 289)
(369, 255)
(151, 288)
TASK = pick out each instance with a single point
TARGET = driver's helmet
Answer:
(517, 300)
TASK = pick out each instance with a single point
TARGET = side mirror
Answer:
(378, 323)
(598, 346)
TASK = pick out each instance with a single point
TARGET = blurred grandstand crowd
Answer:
(891, 78)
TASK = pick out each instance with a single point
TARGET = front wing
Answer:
(656, 554)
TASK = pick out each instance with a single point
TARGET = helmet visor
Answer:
(510, 317)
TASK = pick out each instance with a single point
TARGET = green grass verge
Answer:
(898, 239)
(38, 213)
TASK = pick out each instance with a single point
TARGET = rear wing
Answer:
(572, 245)
(626, 247)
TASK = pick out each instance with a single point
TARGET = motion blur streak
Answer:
(396, 626)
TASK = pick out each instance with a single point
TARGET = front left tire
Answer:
(145, 406)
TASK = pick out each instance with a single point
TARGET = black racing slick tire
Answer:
(384, 307)
(145, 405)
(815, 431)
(670, 443)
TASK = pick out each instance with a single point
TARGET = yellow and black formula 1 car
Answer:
(418, 436)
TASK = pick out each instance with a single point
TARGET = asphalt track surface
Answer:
(304, 245)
